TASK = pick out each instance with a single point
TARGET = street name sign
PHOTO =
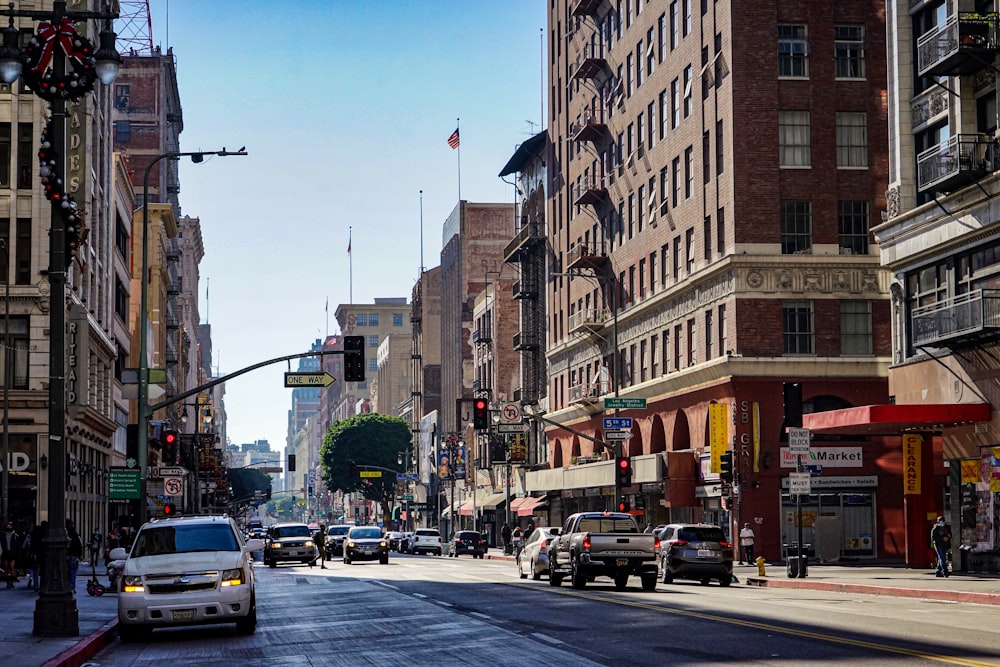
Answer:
(407, 477)
(309, 379)
(798, 440)
(618, 435)
(617, 422)
(813, 469)
(172, 471)
(408, 497)
(511, 428)
(371, 473)
(618, 403)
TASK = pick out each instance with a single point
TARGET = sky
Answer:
(345, 108)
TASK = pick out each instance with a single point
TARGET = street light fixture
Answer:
(144, 412)
(7, 367)
(56, 44)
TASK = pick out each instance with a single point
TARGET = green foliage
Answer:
(244, 481)
(283, 506)
(371, 441)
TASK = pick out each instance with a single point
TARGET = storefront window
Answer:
(835, 524)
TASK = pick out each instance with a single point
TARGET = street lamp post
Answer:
(56, 44)
(7, 367)
(144, 412)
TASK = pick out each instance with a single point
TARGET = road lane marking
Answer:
(479, 615)
(546, 638)
(860, 643)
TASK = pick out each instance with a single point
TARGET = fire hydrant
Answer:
(760, 563)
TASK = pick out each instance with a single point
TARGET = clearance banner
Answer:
(718, 434)
(911, 464)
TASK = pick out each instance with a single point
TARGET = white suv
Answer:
(426, 540)
(187, 570)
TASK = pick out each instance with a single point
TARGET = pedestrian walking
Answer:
(37, 555)
(747, 544)
(321, 545)
(941, 541)
(505, 537)
(517, 541)
(10, 551)
(96, 540)
(74, 552)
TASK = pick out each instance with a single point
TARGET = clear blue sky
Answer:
(345, 108)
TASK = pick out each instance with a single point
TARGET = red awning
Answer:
(466, 508)
(895, 419)
(529, 504)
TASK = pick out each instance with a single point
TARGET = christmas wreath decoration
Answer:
(48, 39)
(72, 215)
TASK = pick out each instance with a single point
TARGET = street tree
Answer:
(370, 443)
(244, 482)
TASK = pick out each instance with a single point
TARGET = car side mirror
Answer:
(555, 532)
(255, 545)
(118, 553)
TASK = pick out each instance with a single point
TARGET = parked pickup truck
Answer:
(592, 544)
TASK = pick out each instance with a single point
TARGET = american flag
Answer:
(453, 139)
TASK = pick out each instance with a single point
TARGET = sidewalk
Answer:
(870, 580)
(97, 620)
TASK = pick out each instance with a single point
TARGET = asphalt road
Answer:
(425, 610)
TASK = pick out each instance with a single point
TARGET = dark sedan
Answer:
(468, 542)
(366, 543)
(335, 540)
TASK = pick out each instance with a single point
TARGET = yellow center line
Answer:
(952, 660)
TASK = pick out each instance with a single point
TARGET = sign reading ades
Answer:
(828, 457)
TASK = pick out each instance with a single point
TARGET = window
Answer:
(675, 103)
(372, 365)
(121, 300)
(691, 334)
(852, 227)
(855, 327)
(654, 365)
(362, 320)
(688, 172)
(675, 26)
(707, 233)
(796, 227)
(397, 319)
(689, 250)
(652, 272)
(22, 253)
(709, 334)
(25, 155)
(794, 141)
(688, 105)
(687, 17)
(18, 366)
(5, 155)
(123, 92)
(664, 263)
(677, 258)
(640, 71)
(723, 342)
(849, 51)
(373, 340)
(373, 319)
(720, 230)
(123, 131)
(719, 144)
(651, 123)
(650, 51)
(642, 278)
(852, 139)
(797, 327)
(793, 50)
(628, 75)
(706, 158)
(664, 116)
(661, 28)
(678, 334)
(676, 177)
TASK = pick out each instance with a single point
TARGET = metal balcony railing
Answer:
(588, 392)
(524, 289)
(530, 234)
(590, 191)
(586, 7)
(585, 256)
(589, 63)
(482, 335)
(971, 315)
(964, 44)
(959, 161)
(589, 127)
(525, 340)
(589, 318)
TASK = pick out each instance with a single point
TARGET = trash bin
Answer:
(796, 568)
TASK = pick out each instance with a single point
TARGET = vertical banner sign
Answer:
(444, 466)
(458, 465)
(718, 434)
(756, 436)
(911, 464)
(970, 471)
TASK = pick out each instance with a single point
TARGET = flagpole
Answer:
(421, 235)
(457, 127)
(350, 269)
(327, 311)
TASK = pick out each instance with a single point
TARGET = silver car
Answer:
(534, 558)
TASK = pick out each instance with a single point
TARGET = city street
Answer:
(442, 611)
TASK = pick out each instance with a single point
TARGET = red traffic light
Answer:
(169, 509)
(170, 437)
(480, 404)
(623, 463)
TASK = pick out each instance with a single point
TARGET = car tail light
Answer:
(678, 542)
(586, 542)
(656, 543)
(725, 545)
(542, 545)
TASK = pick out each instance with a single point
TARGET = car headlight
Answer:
(310, 543)
(350, 545)
(383, 544)
(233, 577)
(132, 584)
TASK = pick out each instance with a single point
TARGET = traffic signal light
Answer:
(480, 414)
(267, 494)
(623, 471)
(291, 463)
(354, 358)
(169, 509)
(726, 467)
(168, 449)
(623, 505)
(792, 394)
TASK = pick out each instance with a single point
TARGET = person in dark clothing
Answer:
(10, 552)
(320, 540)
(941, 539)
(505, 537)
(74, 552)
(37, 554)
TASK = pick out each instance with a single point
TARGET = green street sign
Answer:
(408, 497)
(124, 483)
(618, 403)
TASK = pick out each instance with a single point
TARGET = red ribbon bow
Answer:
(48, 34)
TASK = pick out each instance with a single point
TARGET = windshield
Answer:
(607, 524)
(338, 530)
(366, 533)
(701, 535)
(292, 531)
(179, 539)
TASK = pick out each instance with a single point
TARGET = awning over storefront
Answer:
(529, 504)
(895, 419)
(489, 502)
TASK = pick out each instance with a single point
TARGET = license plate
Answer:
(704, 553)
(182, 614)
(622, 562)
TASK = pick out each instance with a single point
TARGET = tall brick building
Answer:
(710, 200)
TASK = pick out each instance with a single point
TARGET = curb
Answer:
(86, 648)
(868, 589)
